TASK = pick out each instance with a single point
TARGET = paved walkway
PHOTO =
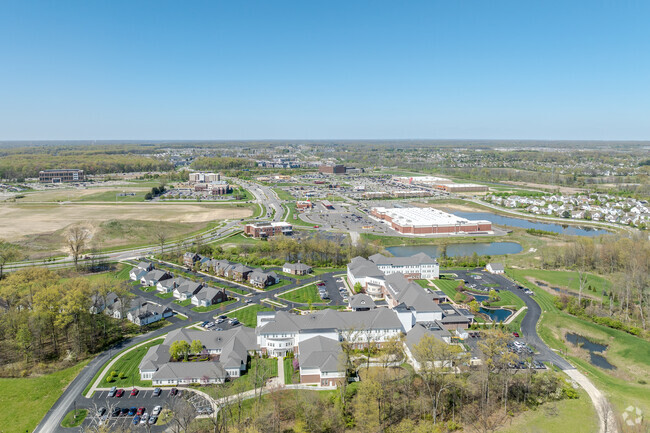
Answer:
(281, 370)
(514, 316)
(603, 408)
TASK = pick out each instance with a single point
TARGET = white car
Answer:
(156, 411)
(144, 418)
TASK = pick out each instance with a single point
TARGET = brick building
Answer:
(266, 229)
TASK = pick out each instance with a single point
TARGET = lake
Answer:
(594, 349)
(502, 220)
(497, 315)
(463, 249)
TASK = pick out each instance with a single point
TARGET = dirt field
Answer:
(76, 194)
(18, 221)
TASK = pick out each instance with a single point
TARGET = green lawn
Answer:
(542, 297)
(303, 295)
(515, 325)
(289, 375)
(111, 196)
(448, 286)
(283, 195)
(70, 421)
(147, 288)
(184, 303)
(508, 299)
(630, 355)
(24, 401)
(294, 217)
(165, 295)
(569, 279)
(575, 415)
(214, 306)
(128, 364)
(123, 273)
(248, 315)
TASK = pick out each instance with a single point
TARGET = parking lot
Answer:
(145, 399)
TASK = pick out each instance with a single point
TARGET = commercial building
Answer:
(199, 177)
(59, 176)
(332, 169)
(441, 183)
(462, 187)
(268, 229)
(303, 205)
(427, 221)
(327, 205)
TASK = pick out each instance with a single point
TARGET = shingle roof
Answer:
(297, 266)
(360, 267)
(379, 318)
(417, 259)
(322, 353)
(410, 293)
(185, 370)
(362, 301)
(415, 335)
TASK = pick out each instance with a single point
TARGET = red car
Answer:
(119, 393)
(140, 411)
(134, 392)
(173, 391)
(315, 227)
(516, 334)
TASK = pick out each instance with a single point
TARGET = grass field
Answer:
(165, 295)
(304, 295)
(184, 303)
(289, 375)
(24, 401)
(576, 416)
(508, 299)
(128, 364)
(71, 421)
(447, 286)
(542, 297)
(248, 315)
(569, 280)
(631, 355)
(283, 195)
(296, 221)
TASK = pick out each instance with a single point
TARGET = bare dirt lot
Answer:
(18, 221)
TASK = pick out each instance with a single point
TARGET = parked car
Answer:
(153, 420)
(156, 411)
(140, 411)
(116, 411)
(218, 321)
(515, 334)
(132, 411)
(224, 317)
(144, 419)
(112, 392)
(125, 411)
(156, 392)
(119, 393)
(136, 420)
(134, 392)
(101, 411)
(173, 392)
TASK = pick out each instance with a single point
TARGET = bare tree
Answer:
(183, 413)
(161, 236)
(77, 237)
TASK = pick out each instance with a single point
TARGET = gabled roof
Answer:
(322, 353)
(242, 268)
(410, 293)
(192, 370)
(297, 266)
(260, 275)
(207, 293)
(362, 301)
(143, 265)
(416, 259)
(496, 266)
(360, 267)
(172, 282)
(156, 275)
(415, 335)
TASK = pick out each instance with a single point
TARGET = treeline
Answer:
(222, 163)
(584, 308)
(626, 259)
(316, 251)
(443, 396)
(25, 163)
(46, 319)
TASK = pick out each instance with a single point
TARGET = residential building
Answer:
(189, 259)
(152, 278)
(261, 279)
(136, 272)
(148, 313)
(361, 302)
(168, 285)
(495, 268)
(321, 361)
(186, 290)
(416, 267)
(209, 296)
(296, 268)
(200, 177)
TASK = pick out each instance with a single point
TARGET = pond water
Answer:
(595, 350)
(497, 315)
(480, 298)
(501, 220)
(463, 249)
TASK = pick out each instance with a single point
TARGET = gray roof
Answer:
(497, 266)
(360, 267)
(378, 318)
(185, 370)
(157, 275)
(207, 293)
(416, 259)
(189, 286)
(451, 314)
(297, 266)
(415, 335)
(172, 283)
(143, 265)
(410, 293)
(242, 268)
(260, 275)
(362, 301)
(322, 353)
(155, 356)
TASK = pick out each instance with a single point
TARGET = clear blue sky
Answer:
(324, 69)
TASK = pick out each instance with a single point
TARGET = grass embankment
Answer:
(127, 367)
(74, 418)
(304, 295)
(294, 217)
(283, 195)
(569, 280)
(24, 401)
(569, 415)
(625, 386)
(248, 315)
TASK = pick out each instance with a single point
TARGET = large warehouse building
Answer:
(428, 221)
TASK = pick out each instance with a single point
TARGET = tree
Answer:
(358, 287)
(8, 253)
(161, 236)
(493, 295)
(77, 237)
(196, 347)
(180, 348)
(474, 306)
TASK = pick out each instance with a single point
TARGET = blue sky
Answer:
(324, 69)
